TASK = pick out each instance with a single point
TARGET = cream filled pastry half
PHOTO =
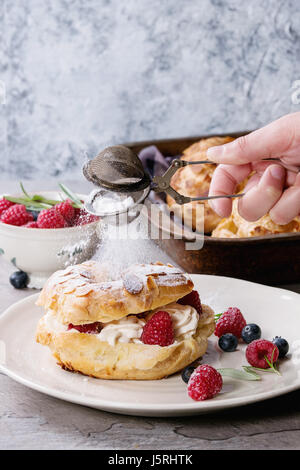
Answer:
(145, 325)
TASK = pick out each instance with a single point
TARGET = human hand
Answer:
(273, 188)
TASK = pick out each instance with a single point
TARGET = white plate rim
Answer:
(138, 408)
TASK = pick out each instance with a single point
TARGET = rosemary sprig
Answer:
(24, 191)
(38, 202)
(239, 374)
(28, 203)
(270, 363)
(77, 202)
(269, 370)
(272, 366)
(51, 202)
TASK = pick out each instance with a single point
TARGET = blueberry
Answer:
(282, 345)
(19, 279)
(34, 214)
(251, 332)
(186, 373)
(228, 342)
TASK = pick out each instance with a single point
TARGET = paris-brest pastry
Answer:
(99, 327)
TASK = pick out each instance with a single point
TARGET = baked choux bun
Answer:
(226, 228)
(89, 355)
(237, 227)
(85, 293)
(112, 345)
(194, 181)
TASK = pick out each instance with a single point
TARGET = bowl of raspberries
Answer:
(41, 233)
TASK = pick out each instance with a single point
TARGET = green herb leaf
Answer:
(50, 202)
(74, 198)
(32, 204)
(38, 198)
(38, 202)
(217, 316)
(249, 368)
(24, 191)
(270, 369)
(271, 363)
(239, 374)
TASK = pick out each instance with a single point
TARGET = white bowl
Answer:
(41, 252)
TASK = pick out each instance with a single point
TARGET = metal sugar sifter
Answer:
(123, 182)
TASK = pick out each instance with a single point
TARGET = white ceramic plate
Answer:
(276, 311)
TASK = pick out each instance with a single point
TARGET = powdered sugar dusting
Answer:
(132, 283)
(127, 245)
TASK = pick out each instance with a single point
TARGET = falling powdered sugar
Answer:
(124, 244)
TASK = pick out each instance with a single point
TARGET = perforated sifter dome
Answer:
(117, 168)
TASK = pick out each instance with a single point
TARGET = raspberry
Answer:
(193, 300)
(16, 215)
(205, 382)
(82, 217)
(231, 321)
(88, 328)
(258, 350)
(66, 209)
(50, 218)
(4, 205)
(31, 225)
(159, 330)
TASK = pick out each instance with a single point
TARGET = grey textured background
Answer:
(81, 74)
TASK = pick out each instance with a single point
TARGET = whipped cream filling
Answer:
(126, 330)
(52, 324)
(184, 317)
(129, 329)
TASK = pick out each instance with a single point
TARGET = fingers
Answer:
(224, 181)
(291, 178)
(261, 166)
(253, 181)
(275, 140)
(262, 197)
(288, 206)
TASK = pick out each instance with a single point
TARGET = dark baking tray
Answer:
(270, 259)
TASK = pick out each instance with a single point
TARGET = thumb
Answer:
(272, 141)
